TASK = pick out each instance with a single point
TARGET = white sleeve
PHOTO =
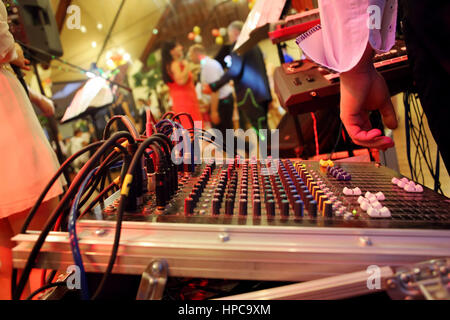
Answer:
(211, 72)
(346, 27)
(7, 44)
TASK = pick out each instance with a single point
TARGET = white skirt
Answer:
(27, 162)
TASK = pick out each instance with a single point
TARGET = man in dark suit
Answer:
(249, 75)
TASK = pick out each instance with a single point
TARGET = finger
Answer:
(382, 143)
(367, 136)
(388, 113)
(356, 132)
(372, 138)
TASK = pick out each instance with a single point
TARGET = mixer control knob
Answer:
(285, 207)
(312, 208)
(298, 208)
(270, 207)
(256, 207)
(189, 205)
(229, 206)
(243, 207)
(216, 206)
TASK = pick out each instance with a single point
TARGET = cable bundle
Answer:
(129, 151)
(415, 135)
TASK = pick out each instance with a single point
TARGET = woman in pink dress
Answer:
(178, 78)
(27, 162)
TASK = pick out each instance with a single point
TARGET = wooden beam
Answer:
(61, 12)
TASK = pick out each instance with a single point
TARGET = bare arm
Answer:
(215, 118)
(43, 103)
(363, 90)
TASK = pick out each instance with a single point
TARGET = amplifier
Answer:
(303, 86)
(32, 22)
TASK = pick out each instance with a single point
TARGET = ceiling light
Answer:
(83, 29)
(99, 26)
(94, 44)
(110, 64)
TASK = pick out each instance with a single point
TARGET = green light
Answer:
(354, 212)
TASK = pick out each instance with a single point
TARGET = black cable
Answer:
(53, 180)
(415, 134)
(102, 170)
(100, 196)
(126, 121)
(51, 276)
(120, 210)
(187, 115)
(337, 141)
(41, 198)
(47, 286)
(57, 212)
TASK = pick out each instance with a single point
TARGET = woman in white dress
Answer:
(27, 161)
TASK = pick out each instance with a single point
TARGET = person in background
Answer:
(121, 107)
(28, 161)
(78, 142)
(179, 79)
(222, 101)
(251, 84)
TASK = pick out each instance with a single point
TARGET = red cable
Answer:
(316, 136)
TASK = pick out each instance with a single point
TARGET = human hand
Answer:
(47, 107)
(363, 90)
(20, 61)
(43, 103)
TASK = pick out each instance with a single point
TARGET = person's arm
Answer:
(43, 103)
(363, 89)
(215, 117)
(345, 41)
(7, 44)
(179, 76)
(235, 70)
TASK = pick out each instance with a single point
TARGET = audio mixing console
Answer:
(290, 220)
(293, 193)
